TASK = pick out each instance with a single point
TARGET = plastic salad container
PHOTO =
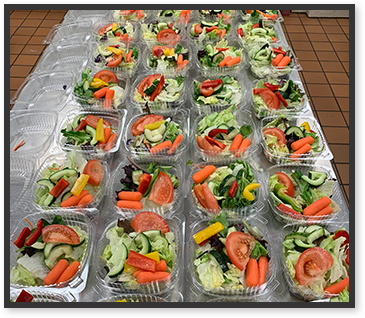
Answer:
(76, 14)
(292, 101)
(283, 130)
(109, 30)
(31, 132)
(159, 32)
(269, 16)
(315, 245)
(63, 32)
(132, 298)
(215, 145)
(283, 204)
(210, 266)
(182, 17)
(213, 195)
(170, 98)
(131, 15)
(143, 132)
(216, 15)
(45, 91)
(71, 167)
(151, 179)
(120, 278)
(92, 81)
(86, 122)
(43, 296)
(38, 265)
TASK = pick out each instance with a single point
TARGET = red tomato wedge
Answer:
(207, 91)
(212, 84)
(206, 146)
(144, 182)
(146, 221)
(162, 191)
(158, 89)
(107, 76)
(114, 60)
(285, 180)
(167, 36)
(158, 50)
(105, 29)
(278, 133)
(147, 82)
(140, 261)
(239, 246)
(58, 233)
(81, 126)
(198, 28)
(215, 142)
(312, 265)
(269, 97)
(212, 203)
(92, 121)
(138, 126)
(344, 234)
(95, 170)
(199, 194)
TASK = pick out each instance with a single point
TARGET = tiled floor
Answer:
(321, 45)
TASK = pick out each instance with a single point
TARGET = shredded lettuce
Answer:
(210, 273)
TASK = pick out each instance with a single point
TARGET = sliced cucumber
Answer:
(296, 235)
(312, 228)
(103, 51)
(46, 183)
(315, 235)
(48, 247)
(209, 49)
(208, 24)
(91, 131)
(315, 178)
(117, 260)
(152, 234)
(231, 134)
(149, 90)
(302, 245)
(136, 175)
(76, 121)
(38, 245)
(259, 31)
(67, 172)
(227, 181)
(154, 177)
(226, 95)
(289, 244)
(218, 57)
(297, 131)
(162, 26)
(222, 263)
(142, 243)
(56, 253)
(166, 13)
(67, 195)
(48, 200)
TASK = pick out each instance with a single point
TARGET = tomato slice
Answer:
(312, 265)
(138, 126)
(344, 234)
(92, 121)
(105, 29)
(278, 133)
(285, 180)
(114, 60)
(239, 246)
(167, 36)
(107, 76)
(269, 97)
(206, 146)
(215, 142)
(144, 182)
(198, 28)
(162, 191)
(81, 126)
(95, 170)
(211, 201)
(207, 91)
(147, 82)
(199, 194)
(158, 89)
(213, 84)
(59, 233)
(146, 221)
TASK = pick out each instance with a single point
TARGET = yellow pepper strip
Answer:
(247, 191)
(167, 52)
(306, 126)
(80, 184)
(115, 50)
(99, 135)
(154, 255)
(129, 269)
(97, 82)
(208, 232)
(114, 26)
(121, 301)
(154, 125)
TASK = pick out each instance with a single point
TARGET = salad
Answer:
(302, 195)
(183, 16)
(155, 134)
(116, 56)
(117, 32)
(162, 32)
(275, 96)
(220, 56)
(221, 134)
(224, 90)
(211, 15)
(165, 58)
(90, 132)
(317, 261)
(77, 182)
(129, 15)
(256, 15)
(152, 187)
(231, 256)
(141, 252)
(284, 139)
(209, 31)
(104, 87)
(49, 254)
(225, 187)
(158, 89)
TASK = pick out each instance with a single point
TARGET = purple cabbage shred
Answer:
(98, 59)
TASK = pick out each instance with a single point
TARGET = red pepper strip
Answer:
(215, 132)
(347, 260)
(140, 261)
(158, 89)
(171, 25)
(61, 185)
(256, 25)
(117, 34)
(34, 236)
(271, 87)
(233, 190)
(24, 297)
(202, 243)
(81, 126)
(222, 49)
(215, 142)
(281, 98)
(19, 242)
(240, 32)
(285, 209)
(279, 51)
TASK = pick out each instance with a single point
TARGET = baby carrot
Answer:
(317, 206)
(182, 65)
(222, 34)
(325, 211)
(101, 92)
(301, 151)
(87, 199)
(277, 59)
(301, 142)
(203, 174)
(128, 56)
(338, 287)
(236, 142)
(137, 272)
(243, 146)
(162, 266)
(161, 147)
(111, 142)
(71, 201)
(263, 264)
(130, 195)
(107, 133)
(263, 14)
(22, 143)
(109, 98)
(224, 61)
(149, 277)
(284, 62)
(233, 61)
(133, 205)
(55, 272)
(252, 273)
(69, 272)
(179, 59)
(175, 144)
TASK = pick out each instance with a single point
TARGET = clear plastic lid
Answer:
(181, 117)
(269, 20)
(337, 196)
(132, 298)
(131, 15)
(61, 32)
(148, 205)
(180, 17)
(104, 29)
(86, 14)
(323, 152)
(44, 296)
(216, 15)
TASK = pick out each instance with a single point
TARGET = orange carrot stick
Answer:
(137, 272)
(130, 195)
(149, 277)
(277, 59)
(128, 56)
(263, 264)
(317, 206)
(182, 65)
(179, 59)
(233, 61)
(107, 133)
(175, 144)
(243, 146)
(87, 199)
(252, 273)
(224, 61)
(222, 34)
(111, 142)
(325, 211)
(203, 174)
(22, 143)
(101, 92)
(236, 143)
(162, 266)
(71, 201)
(30, 224)
(55, 272)
(296, 154)
(133, 205)
(161, 147)
(109, 98)
(69, 272)
(301, 142)
(338, 287)
(284, 62)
